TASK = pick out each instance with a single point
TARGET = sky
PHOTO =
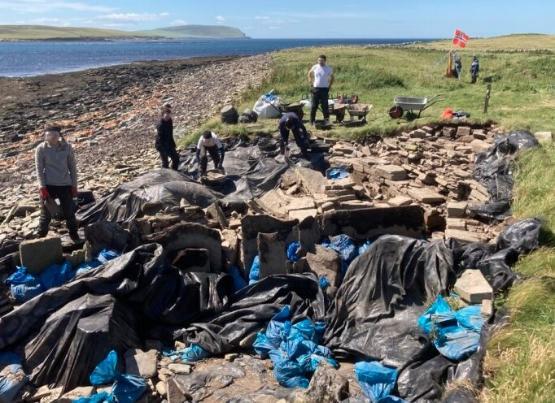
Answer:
(297, 18)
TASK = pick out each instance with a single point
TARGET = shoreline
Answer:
(109, 115)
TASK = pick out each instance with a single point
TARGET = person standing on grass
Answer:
(321, 79)
(474, 69)
(165, 143)
(290, 122)
(57, 176)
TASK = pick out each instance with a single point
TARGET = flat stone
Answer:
(302, 214)
(311, 180)
(456, 223)
(271, 250)
(418, 134)
(400, 201)
(161, 388)
(44, 392)
(463, 131)
(456, 209)
(231, 357)
(81, 391)
(300, 203)
(473, 287)
(37, 254)
(465, 236)
(391, 172)
(487, 307)
(479, 146)
(326, 262)
(180, 368)
(544, 137)
(140, 363)
(479, 134)
(426, 196)
(309, 233)
(174, 393)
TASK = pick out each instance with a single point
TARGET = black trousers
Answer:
(320, 97)
(63, 194)
(169, 153)
(300, 138)
(214, 154)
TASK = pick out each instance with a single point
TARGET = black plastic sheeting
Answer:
(157, 189)
(63, 332)
(493, 169)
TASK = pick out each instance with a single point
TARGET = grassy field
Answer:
(519, 42)
(523, 88)
(520, 360)
(43, 32)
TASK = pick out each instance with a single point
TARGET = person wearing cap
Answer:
(209, 144)
(290, 122)
(321, 78)
(57, 176)
(474, 69)
(165, 143)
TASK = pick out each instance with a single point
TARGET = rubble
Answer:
(40, 253)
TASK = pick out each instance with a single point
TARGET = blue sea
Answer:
(22, 59)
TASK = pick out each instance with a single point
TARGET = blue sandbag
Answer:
(337, 173)
(56, 275)
(23, 285)
(376, 380)
(455, 334)
(13, 378)
(254, 273)
(293, 348)
(128, 388)
(106, 255)
(292, 251)
(194, 353)
(238, 281)
(106, 371)
(346, 248)
(324, 282)
(100, 397)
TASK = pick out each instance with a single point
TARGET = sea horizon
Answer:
(36, 58)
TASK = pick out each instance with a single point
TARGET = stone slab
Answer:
(426, 196)
(37, 254)
(391, 172)
(465, 236)
(473, 287)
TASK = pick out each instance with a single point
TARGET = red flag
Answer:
(460, 38)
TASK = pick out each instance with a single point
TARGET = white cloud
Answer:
(262, 17)
(179, 22)
(132, 17)
(220, 18)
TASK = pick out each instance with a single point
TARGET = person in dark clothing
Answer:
(290, 122)
(321, 79)
(57, 175)
(210, 144)
(165, 144)
(474, 69)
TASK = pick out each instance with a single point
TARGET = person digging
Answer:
(290, 122)
(209, 144)
(57, 176)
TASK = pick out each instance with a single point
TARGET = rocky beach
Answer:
(108, 114)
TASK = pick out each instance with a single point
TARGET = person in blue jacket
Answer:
(290, 122)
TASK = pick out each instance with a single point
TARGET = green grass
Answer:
(516, 42)
(43, 32)
(520, 361)
(523, 94)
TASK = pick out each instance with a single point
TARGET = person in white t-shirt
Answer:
(321, 79)
(210, 144)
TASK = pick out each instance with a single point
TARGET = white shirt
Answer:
(211, 142)
(322, 75)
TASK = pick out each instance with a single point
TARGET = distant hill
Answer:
(505, 42)
(45, 32)
(196, 31)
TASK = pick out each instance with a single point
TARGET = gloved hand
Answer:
(74, 191)
(43, 191)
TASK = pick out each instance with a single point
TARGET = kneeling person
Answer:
(290, 122)
(210, 144)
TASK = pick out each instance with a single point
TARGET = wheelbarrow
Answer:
(412, 105)
(359, 111)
